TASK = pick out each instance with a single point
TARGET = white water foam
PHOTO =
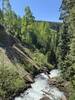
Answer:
(40, 85)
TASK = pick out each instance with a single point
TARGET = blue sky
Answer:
(42, 9)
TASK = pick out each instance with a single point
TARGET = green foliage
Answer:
(67, 35)
(46, 37)
(41, 35)
(10, 81)
(13, 26)
(71, 55)
(6, 6)
(71, 90)
(72, 97)
(27, 30)
(1, 16)
(41, 59)
(67, 58)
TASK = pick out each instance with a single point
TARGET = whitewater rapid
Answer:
(41, 84)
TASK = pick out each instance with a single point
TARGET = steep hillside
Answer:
(14, 58)
(17, 65)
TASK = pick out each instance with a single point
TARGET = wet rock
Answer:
(29, 78)
(45, 98)
(61, 85)
(1, 27)
(63, 98)
(0, 98)
(52, 81)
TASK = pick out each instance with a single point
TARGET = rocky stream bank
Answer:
(45, 87)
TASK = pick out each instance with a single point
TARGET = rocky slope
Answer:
(14, 60)
(17, 65)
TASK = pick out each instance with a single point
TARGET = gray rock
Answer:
(45, 98)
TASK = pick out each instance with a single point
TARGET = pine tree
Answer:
(67, 48)
(64, 39)
(6, 7)
(71, 54)
(1, 17)
(28, 26)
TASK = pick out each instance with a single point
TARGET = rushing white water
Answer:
(40, 85)
(55, 73)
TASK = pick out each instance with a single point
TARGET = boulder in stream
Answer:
(45, 98)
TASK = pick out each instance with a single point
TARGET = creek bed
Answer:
(41, 88)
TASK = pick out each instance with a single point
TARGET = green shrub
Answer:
(10, 81)
(41, 59)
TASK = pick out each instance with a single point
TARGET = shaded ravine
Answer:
(41, 88)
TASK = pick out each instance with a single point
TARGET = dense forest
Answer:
(28, 45)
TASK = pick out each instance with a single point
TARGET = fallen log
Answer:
(25, 57)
